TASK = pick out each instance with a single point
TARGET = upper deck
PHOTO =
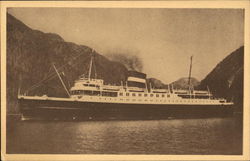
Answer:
(94, 89)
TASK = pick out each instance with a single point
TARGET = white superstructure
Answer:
(93, 90)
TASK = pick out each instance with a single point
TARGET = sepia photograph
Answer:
(124, 80)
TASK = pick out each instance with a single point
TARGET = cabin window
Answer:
(157, 95)
(163, 95)
(121, 94)
(96, 92)
(151, 95)
(133, 94)
(88, 93)
(77, 92)
(145, 95)
(168, 95)
(109, 94)
(91, 85)
(127, 94)
(139, 94)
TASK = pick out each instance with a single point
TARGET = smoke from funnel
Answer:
(131, 62)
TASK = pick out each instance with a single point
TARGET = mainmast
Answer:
(91, 63)
(190, 71)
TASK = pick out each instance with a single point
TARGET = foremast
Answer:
(90, 65)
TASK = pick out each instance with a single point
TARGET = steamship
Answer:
(91, 99)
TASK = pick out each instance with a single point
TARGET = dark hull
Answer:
(64, 110)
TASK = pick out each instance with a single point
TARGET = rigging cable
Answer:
(52, 75)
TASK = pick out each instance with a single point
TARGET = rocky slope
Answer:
(155, 83)
(182, 83)
(226, 79)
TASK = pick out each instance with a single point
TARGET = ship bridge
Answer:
(88, 82)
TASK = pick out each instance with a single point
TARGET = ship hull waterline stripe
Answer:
(84, 110)
(124, 101)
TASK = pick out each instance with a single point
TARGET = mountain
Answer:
(31, 53)
(155, 83)
(226, 79)
(182, 83)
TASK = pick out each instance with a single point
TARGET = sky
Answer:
(164, 39)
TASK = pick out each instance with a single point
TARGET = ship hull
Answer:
(65, 110)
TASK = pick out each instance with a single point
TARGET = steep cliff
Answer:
(226, 79)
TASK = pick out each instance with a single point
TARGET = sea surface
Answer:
(175, 136)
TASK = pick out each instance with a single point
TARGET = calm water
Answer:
(187, 136)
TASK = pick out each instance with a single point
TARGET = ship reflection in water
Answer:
(175, 136)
